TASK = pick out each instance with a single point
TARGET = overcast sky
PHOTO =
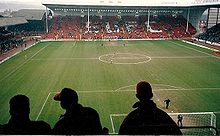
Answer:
(20, 4)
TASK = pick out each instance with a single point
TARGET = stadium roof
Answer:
(8, 21)
(29, 14)
(124, 7)
(132, 3)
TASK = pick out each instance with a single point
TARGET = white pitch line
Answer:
(43, 106)
(195, 50)
(167, 85)
(180, 57)
(102, 91)
(141, 62)
(112, 123)
(124, 58)
(17, 68)
(124, 87)
(152, 85)
(66, 59)
(119, 114)
(171, 89)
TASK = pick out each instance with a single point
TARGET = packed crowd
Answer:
(211, 35)
(119, 27)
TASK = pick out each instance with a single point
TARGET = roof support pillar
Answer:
(217, 16)
(88, 20)
(207, 22)
(148, 20)
(46, 21)
(187, 23)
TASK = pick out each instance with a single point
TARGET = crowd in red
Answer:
(119, 27)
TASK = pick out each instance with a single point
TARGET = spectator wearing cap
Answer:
(77, 120)
(20, 123)
(147, 119)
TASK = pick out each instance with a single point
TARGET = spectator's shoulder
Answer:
(40, 127)
(90, 110)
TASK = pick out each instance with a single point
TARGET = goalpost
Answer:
(197, 123)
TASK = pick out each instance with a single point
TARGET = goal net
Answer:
(200, 123)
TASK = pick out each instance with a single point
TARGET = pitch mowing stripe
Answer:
(13, 71)
(195, 50)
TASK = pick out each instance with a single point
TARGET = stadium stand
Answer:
(17, 26)
(211, 35)
(9, 21)
(115, 27)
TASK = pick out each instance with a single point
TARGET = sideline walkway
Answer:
(15, 50)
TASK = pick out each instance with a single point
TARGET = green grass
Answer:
(186, 74)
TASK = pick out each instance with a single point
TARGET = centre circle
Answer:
(124, 58)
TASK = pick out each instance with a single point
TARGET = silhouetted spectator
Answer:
(77, 119)
(20, 122)
(105, 131)
(147, 119)
(1, 129)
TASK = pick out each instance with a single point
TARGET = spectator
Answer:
(105, 131)
(77, 119)
(19, 123)
(147, 119)
(1, 129)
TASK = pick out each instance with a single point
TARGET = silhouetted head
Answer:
(144, 91)
(67, 98)
(19, 106)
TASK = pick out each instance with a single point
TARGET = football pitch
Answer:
(104, 74)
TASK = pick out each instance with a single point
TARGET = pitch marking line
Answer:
(164, 85)
(112, 123)
(126, 63)
(67, 59)
(195, 50)
(181, 57)
(159, 57)
(43, 106)
(13, 71)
